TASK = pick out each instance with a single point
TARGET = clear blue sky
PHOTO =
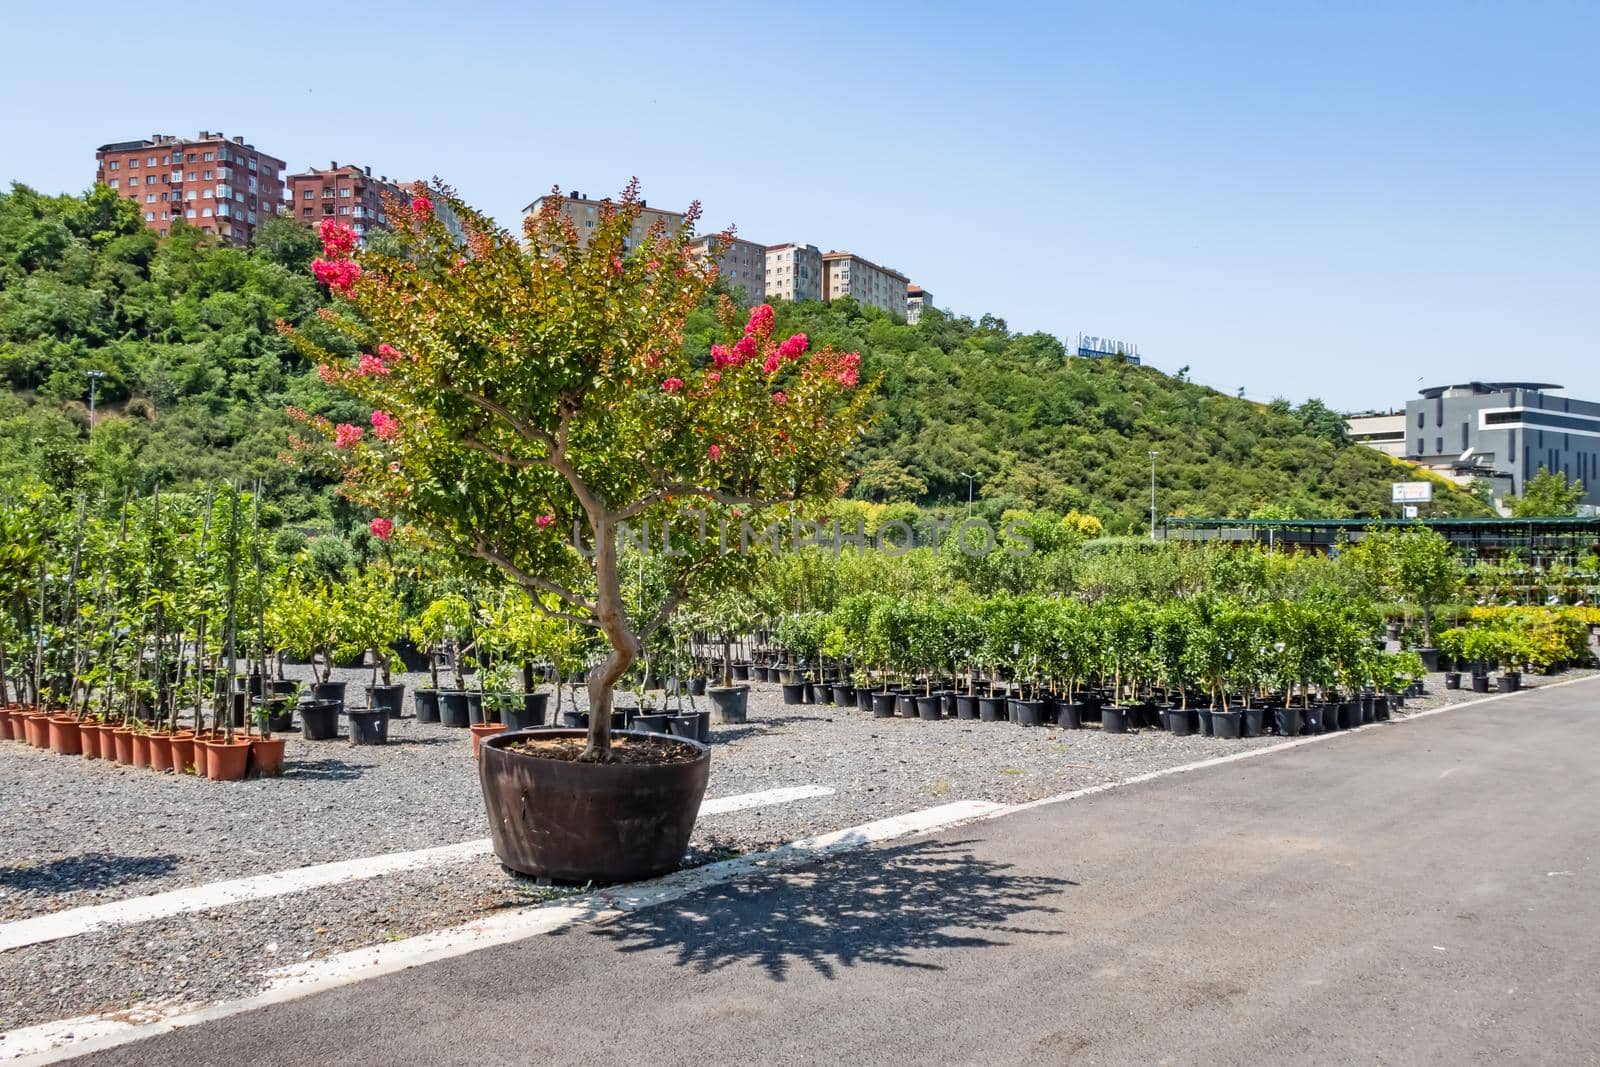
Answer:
(1305, 199)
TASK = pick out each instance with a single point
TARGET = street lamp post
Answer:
(969, 478)
(94, 377)
(1153, 455)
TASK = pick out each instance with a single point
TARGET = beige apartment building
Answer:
(742, 264)
(794, 272)
(585, 214)
(847, 274)
(917, 298)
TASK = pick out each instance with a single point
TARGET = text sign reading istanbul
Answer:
(1106, 348)
(1411, 492)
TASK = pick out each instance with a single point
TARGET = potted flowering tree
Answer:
(531, 398)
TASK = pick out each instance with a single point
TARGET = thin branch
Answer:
(485, 552)
(503, 457)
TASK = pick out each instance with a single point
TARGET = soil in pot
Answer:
(226, 761)
(426, 704)
(553, 817)
(1226, 723)
(319, 721)
(390, 698)
(266, 757)
(368, 726)
(453, 709)
(64, 738)
(731, 703)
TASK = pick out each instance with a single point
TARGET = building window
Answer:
(206, 158)
(133, 164)
(308, 194)
(1420, 417)
(345, 191)
(306, 212)
(149, 198)
(205, 213)
(115, 182)
(151, 161)
(116, 165)
(149, 216)
(189, 214)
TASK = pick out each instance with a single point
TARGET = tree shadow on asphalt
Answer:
(884, 906)
(92, 870)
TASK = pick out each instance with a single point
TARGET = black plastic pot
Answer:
(280, 715)
(794, 692)
(426, 703)
(844, 695)
(1226, 723)
(453, 708)
(583, 822)
(368, 726)
(329, 691)
(1026, 712)
(1380, 708)
(475, 707)
(527, 715)
(906, 705)
(966, 706)
(1182, 722)
(654, 724)
(863, 698)
(1510, 681)
(1067, 714)
(992, 709)
(883, 704)
(694, 726)
(319, 720)
(390, 698)
(1430, 658)
(732, 703)
(1114, 718)
(283, 687)
(1369, 709)
(1251, 721)
(697, 687)
(1286, 721)
(1480, 683)
(1452, 679)
(575, 720)
(1349, 714)
(931, 707)
(1203, 716)
(1311, 719)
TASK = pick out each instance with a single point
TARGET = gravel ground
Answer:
(78, 832)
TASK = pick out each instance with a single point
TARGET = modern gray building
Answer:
(1506, 430)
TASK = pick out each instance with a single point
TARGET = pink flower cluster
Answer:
(387, 352)
(795, 346)
(780, 397)
(761, 320)
(382, 529)
(543, 521)
(339, 275)
(371, 366)
(385, 426)
(345, 435)
(772, 362)
(848, 370)
(715, 452)
(327, 374)
(421, 205)
(672, 385)
(338, 240)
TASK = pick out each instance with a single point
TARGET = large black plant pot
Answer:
(1510, 681)
(1287, 721)
(732, 703)
(328, 691)
(1251, 721)
(931, 707)
(1114, 719)
(1182, 722)
(1480, 683)
(368, 726)
(390, 698)
(844, 695)
(527, 715)
(1204, 717)
(1452, 679)
(589, 822)
(992, 709)
(864, 696)
(453, 708)
(1068, 714)
(966, 706)
(426, 703)
(883, 705)
(1226, 723)
(906, 705)
(794, 692)
(1026, 712)
(319, 720)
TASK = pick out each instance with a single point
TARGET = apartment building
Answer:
(347, 194)
(215, 183)
(742, 264)
(1381, 430)
(917, 298)
(585, 214)
(794, 272)
(847, 274)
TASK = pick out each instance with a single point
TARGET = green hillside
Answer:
(197, 379)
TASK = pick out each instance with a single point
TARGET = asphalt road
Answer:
(1419, 893)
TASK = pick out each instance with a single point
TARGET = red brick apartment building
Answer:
(217, 184)
(347, 194)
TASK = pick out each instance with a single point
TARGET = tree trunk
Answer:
(613, 619)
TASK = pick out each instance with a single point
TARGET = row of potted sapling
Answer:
(1513, 640)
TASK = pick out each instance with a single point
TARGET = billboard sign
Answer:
(1411, 493)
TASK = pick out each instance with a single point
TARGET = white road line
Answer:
(77, 921)
(57, 1041)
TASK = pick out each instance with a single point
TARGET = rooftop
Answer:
(1479, 388)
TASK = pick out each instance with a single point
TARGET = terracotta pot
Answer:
(266, 757)
(182, 751)
(161, 752)
(89, 735)
(38, 729)
(64, 740)
(480, 730)
(122, 745)
(5, 725)
(141, 750)
(226, 762)
(200, 753)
